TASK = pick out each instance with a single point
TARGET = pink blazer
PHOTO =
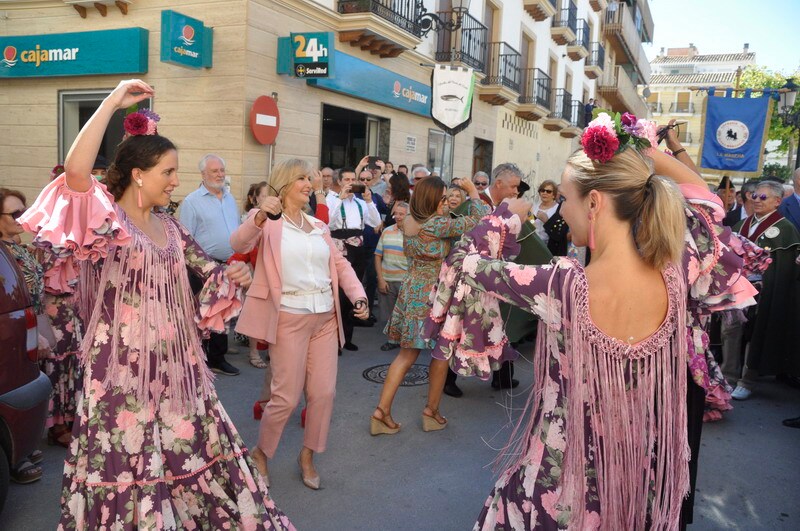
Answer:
(259, 317)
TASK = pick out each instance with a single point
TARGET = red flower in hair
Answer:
(599, 143)
(136, 124)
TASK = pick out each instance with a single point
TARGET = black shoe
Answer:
(350, 346)
(386, 347)
(497, 385)
(792, 423)
(224, 367)
(451, 389)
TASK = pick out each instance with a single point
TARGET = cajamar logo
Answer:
(9, 56)
(187, 35)
(38, 56)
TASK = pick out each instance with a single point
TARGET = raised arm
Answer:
(80, 159)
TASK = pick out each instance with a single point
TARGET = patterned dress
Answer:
(425, 253)
(152, 447)
(602, 443)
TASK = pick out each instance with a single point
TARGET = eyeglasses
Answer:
(480, 183)
(16, 214)
(755, 196)
(364, 179)
(545, 191)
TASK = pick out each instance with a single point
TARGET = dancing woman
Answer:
(152, 446)
(427, 234)
(604, 442)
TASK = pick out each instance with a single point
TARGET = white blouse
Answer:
(305, 270)
(539, 225)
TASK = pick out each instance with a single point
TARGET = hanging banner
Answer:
(735, 133)
(452, 90)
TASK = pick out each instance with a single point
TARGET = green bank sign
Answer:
(88, 53)
(185, 41)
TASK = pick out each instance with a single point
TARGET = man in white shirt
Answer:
(348, 215)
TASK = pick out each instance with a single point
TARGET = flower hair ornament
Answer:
(607, 134)
(57, 170)
(141, 122)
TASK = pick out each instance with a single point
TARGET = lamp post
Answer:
(789, 116)
(432, 22)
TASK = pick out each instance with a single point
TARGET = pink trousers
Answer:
(303, 358)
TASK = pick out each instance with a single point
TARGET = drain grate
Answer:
(417, 375)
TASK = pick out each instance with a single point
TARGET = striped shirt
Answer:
(394, 264)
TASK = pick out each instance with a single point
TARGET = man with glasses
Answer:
(774, 330)
(480, 180)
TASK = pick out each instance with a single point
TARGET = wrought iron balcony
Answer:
(467, 44)
(579, 48)
(372, 25)
(616, 87)
(576, 119)
(595, 62)
(682, 107)
(565, 24)
(540, 9)
(561, 111)
(626, 39)
(534, 101)
(654, 107)
(502, 81)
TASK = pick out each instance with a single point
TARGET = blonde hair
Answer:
(650, 203)
(285, 173)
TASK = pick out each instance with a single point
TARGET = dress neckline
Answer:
(147, 237)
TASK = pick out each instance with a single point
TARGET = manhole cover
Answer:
(417, 375)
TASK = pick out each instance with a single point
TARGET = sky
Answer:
(723, 26)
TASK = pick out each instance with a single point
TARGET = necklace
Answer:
(295, 225)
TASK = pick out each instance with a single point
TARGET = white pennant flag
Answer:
(451, 105)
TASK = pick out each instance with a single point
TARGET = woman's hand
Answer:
(673, 144)
(520, 207)
(316, 181)
(542, 216)
(239, 274)
(383, 286)
(361, 310)
(469, 187)
(271, 205)
(129, 92)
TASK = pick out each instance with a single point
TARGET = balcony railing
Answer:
(616, 86)
(655, 107)
(535, 88)
(597, 55)
(578, 115)
(401, 13)
(582, 34)
(567, 18)
(683, 107)
(562, 105)
(467, 44)
(503, 66)
(620, 25)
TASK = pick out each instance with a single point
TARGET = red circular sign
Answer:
(10, 53)
(265, 120)
(188, 32)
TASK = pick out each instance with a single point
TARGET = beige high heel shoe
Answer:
(260, 460)
(310, 482)
(379, 426)
(430, 422)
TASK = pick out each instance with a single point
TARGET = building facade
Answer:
(537, 62)
(676, 73)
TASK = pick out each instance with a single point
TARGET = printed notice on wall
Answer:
(411, 144)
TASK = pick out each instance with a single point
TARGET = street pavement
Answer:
(749, 476)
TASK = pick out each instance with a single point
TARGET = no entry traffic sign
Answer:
(265, 120)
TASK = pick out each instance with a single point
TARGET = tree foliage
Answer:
(759, 77)
(775, 169)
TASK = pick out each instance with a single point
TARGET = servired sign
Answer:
(265, 120)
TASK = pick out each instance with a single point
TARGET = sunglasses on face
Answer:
(762, 197)
(545, 191)
(16, 214)
(479, 183)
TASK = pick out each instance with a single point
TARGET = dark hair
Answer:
(400, 187)
(726, 184)
(426, 198)
(252, 195)
(346, 169)
(6, 193)
(139, 151)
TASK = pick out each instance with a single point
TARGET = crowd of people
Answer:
(616, 274)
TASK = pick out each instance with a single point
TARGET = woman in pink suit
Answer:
(293, 305)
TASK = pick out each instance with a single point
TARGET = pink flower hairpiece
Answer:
(143, 122)
(608, 134)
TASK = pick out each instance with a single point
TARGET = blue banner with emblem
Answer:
(735, 133)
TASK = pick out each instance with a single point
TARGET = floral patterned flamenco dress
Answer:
(425, 252)
(602, 443)
(152, 447)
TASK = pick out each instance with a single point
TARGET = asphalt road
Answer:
(749, 475)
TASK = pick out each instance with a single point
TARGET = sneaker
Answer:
(224, 367)
(741, 393)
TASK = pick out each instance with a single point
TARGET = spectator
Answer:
(100, 167)
(348, 217)
(588, 109)
(391, 265)
(481, 181)
(740, 212)
(320, 194)
(455, 196)
(371, 236)
(774, 341)
(418, 173)
(550, 226)
(210, 215)
(399, 190)
(504, 184)
(790, 206)
(727, 193)
(403, 169)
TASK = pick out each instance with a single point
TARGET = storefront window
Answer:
(75, 107)
(348, 135)
(440, 153)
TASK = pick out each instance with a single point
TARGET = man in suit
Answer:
(790, 206)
